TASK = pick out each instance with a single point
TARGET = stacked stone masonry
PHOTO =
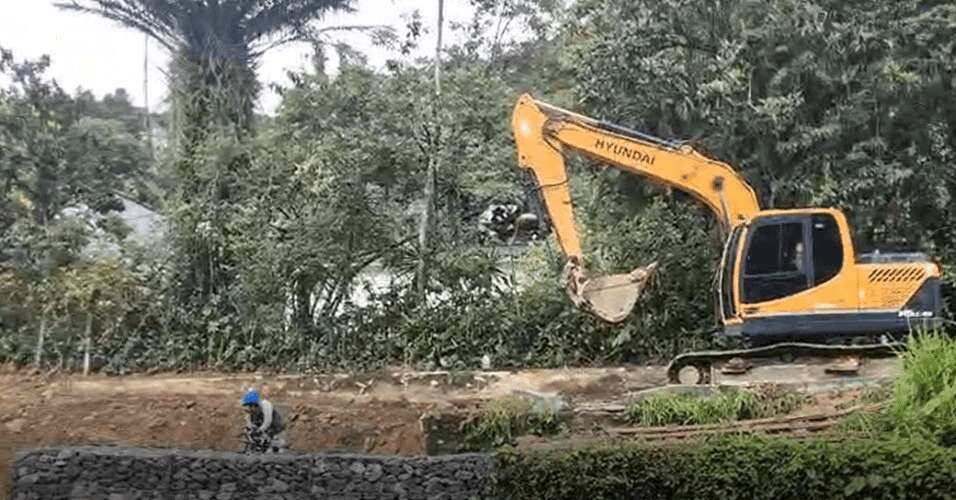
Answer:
(151, 474)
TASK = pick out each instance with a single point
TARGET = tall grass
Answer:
(503, 419)
(924, 395)
(723, 407)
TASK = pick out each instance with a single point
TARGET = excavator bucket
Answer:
(611, 297)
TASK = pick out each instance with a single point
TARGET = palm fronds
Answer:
(231, 28)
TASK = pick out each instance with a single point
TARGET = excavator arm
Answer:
(542, 134)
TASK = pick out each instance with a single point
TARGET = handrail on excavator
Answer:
(611, 127)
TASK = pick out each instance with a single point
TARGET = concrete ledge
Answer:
(153, 474)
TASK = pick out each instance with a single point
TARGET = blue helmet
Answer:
(250, 398)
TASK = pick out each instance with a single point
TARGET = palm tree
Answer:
(216, 45)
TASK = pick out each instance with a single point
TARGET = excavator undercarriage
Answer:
(700, 367)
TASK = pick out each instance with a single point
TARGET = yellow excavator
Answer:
(789, 282)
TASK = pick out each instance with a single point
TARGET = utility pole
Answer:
(146, 121)
(425, 222)
(441, 15)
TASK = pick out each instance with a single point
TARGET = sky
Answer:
(101, 56)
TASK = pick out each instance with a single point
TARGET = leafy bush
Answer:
(733, 468)
(725, 406)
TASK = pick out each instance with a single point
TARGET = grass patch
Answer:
(877, 394)
(921, 402)
(865, 423)
(873, 394)
(723, 407)
(924, 395)
(504, 419)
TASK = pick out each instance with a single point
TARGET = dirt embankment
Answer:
(198, 413)
(374, 413)
(377, 413)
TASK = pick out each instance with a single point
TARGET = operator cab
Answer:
(781, 254)
(788, 254)
(793, 273)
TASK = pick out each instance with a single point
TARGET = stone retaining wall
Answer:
(148, 474)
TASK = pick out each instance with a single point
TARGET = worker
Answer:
(798, 257)
(263, 422)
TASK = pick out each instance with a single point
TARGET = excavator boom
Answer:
(543, 133)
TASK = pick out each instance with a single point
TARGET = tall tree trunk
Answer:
(88, 330)
(147, 126)
(214, 101)
(87, 341)
(38, 358)
(303, 319)
(425, 222)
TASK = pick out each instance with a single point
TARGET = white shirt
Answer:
(266, 408)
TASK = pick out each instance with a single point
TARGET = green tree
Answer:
(115, 106)
(322, 197)
(817, 103)
(52, 159)
(215, 46)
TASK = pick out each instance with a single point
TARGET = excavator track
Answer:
(703, 363)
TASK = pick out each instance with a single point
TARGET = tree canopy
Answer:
(294, 238)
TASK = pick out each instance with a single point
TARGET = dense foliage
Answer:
(733, 468)
(817, 103)
(215, 47)
(292, 237)
(66, 164)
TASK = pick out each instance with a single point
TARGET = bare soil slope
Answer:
(195, 413)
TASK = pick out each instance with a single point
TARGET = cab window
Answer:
(776, 262)
(827, 248)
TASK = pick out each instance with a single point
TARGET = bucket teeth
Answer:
(611, 297)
